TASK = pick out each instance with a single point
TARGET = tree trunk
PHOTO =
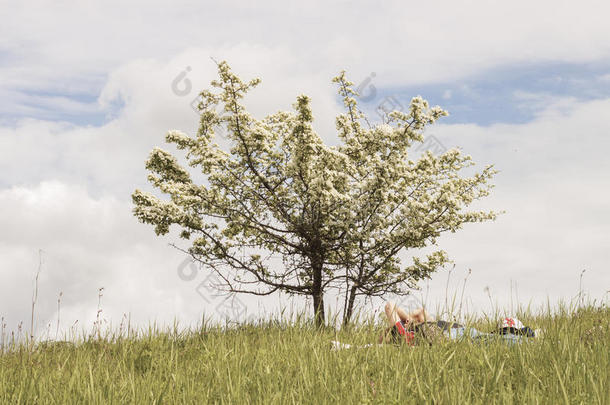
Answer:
(350, 306)
(318, 307)
(352, 297)
(318, 294)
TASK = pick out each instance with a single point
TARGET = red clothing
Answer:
(400, 329)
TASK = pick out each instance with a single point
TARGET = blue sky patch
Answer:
(511, 94)
(76, 108)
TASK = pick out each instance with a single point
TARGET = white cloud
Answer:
(73, 46)
(554, 186)
(88, 243)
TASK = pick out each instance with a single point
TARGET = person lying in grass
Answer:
(420, 326)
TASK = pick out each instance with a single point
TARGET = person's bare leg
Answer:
(420, 316)
(394, 313)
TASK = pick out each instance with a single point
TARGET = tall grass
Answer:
(277, 361)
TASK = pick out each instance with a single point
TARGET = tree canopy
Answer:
(336, 215)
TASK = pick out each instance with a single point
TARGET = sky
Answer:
(87, 89)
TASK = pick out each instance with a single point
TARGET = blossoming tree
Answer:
(338, 216)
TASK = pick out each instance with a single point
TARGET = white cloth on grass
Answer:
(336, 345)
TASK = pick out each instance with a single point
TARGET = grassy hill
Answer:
(274, 362)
